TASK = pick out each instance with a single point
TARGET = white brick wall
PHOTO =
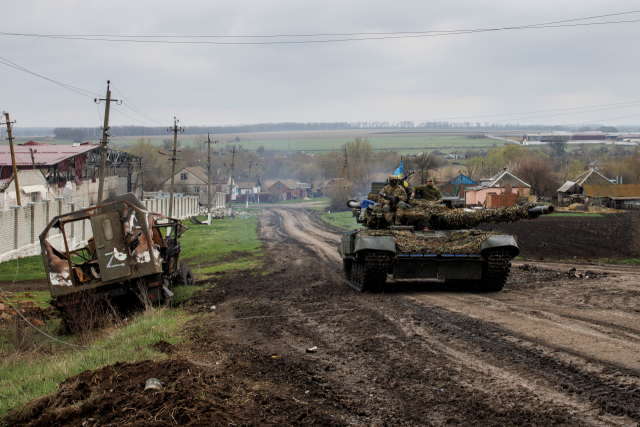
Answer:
(32, 220)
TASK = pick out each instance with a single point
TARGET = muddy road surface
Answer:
(293, 344)
(557, 346)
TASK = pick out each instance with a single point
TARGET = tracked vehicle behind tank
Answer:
(433, 242)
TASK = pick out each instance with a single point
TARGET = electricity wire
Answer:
(136, 109)
(82, 92)
(530, 112)
(31, 324)
(399, 35)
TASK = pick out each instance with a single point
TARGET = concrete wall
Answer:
(86, 194)
(20, 227)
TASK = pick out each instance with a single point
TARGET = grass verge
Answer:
(29, 376)
(622, 261)
(343, 220)
(30, 268)
(229, 244)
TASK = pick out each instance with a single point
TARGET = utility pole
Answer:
(13, 156)
(33, 161)
(175, 129)
(323, 180)
(105, 135)
(209, 179)
(233, 164)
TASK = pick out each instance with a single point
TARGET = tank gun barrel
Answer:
(353, 204)
(541, 210)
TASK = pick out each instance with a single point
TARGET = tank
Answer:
(433, 241)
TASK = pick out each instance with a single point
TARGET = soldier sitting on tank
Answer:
(397, 194)
(427, 192)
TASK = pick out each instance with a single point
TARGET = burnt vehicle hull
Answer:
(481, 260)
(128, 259)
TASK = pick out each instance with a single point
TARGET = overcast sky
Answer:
(426, 78)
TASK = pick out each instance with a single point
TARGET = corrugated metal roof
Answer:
(613, 190)
(592, 177)
(48, 155)
(461, 179)
(566, 186)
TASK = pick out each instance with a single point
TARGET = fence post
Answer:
(15, 226)
(33, 221)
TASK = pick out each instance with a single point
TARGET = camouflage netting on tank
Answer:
(441, 218)
(462, 242)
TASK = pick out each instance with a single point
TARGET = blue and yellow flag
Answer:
(398, 171)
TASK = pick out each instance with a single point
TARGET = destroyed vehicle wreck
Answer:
(133, 254)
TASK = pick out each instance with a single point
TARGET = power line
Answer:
(530, 112)
(77, 90)
(310, 35)
(132, 39)
(132, 118)
(136, 109)
(563, 114)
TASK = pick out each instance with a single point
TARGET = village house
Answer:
(72, 171)
(506, 187)
(192, 181)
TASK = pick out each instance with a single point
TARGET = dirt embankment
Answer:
(560, 237)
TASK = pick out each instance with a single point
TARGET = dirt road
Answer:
(556, 347)
(552, 347)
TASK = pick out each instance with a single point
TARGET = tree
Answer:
(558, 143)
(539, 174)
(474, 168)
(260, 151)
(359, 168)
(424, 163)
(167, 144)
(154, 165)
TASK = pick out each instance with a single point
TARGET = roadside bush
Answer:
(338, 199)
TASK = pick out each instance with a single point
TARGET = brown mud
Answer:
(556, 347)
(558, 236)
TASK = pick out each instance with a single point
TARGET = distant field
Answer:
(404, 144)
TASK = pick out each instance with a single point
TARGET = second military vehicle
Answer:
(433, 242)
(132, 253)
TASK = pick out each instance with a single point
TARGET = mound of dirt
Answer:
(115, 395)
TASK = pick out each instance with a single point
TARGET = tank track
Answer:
(370, 275)
(496, 273)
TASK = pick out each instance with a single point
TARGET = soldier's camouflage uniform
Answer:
(392, 190)
(428, 192)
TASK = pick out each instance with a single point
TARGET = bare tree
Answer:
(359, 170)
(473, 167)
(539, 174)
(424, 163)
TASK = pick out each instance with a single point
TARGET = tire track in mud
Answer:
(551, 373)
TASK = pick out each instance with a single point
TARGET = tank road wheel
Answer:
(347, 267)
(496, 271)
(371, 273)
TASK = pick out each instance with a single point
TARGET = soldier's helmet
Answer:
(393, 180)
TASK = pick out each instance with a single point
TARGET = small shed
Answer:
(574, 189)
(615, 195)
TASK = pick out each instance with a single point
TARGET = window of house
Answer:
(278, 186)
(184, 176)
(196, 189)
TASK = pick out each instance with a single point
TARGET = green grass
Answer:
(567, 215)
(622, 261)
(31, 376)
(29, 268)
(210, 249)
(343, 220)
